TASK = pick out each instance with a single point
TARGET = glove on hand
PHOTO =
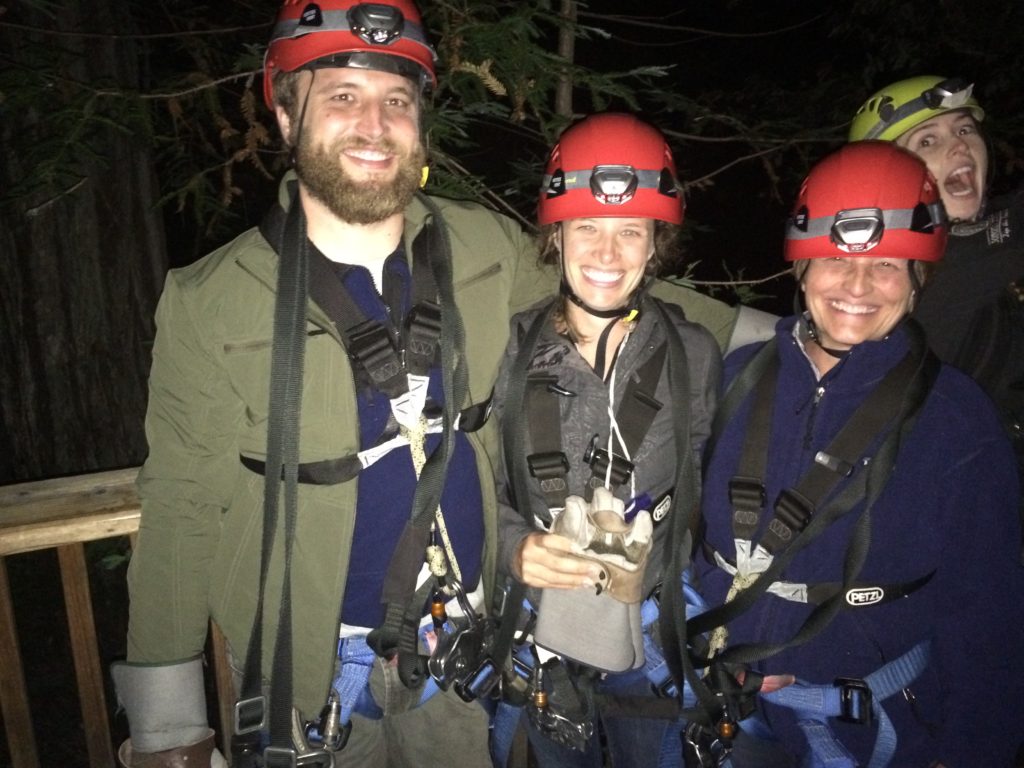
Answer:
(602, 629)
(599, 532)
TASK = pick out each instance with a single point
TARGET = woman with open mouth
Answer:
(973, 312)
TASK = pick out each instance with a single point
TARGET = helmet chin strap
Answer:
(812, 331)
(629, 307)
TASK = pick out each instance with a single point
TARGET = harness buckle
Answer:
(250, 715)
(746, 493)
(280, 757)
(855, 701)
(597, 458)
(424, 332)
(548, 465)
(793, 510)
(371, 345)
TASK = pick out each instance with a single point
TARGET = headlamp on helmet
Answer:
(375, 23)
(870, 198)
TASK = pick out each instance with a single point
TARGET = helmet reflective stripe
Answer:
(851, 228)
(610, 184)
(341, 21)
(947, 95)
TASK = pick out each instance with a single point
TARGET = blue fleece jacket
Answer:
(948, 507)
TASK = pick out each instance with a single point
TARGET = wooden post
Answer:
(17, 718)
(74, 575)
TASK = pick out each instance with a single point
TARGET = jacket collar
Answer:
(865, 365)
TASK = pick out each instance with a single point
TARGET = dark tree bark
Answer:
(81, 265)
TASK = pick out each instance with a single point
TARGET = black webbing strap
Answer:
(422, 329)
(866, 486)
(286, 375)
(685, 505)
(548, 463)
(795, 506)
(634, 417)
(370, 344)
(399, 590)
(513, 443)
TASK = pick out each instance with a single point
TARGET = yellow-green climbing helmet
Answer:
(899, 107)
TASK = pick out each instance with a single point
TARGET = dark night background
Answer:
(756, 92)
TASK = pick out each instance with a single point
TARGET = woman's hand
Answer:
(545, 560)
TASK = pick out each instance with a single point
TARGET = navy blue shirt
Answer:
(386, 488)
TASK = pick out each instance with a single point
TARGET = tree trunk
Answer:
(81, 263)
(567, 50)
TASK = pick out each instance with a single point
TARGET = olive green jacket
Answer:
(199, 545)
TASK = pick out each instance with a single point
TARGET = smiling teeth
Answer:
(368, 154)
(853, 309)
(600, 276)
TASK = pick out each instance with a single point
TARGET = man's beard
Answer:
(358, 202)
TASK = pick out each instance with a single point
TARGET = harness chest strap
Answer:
(548, 462)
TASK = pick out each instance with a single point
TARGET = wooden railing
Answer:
(63, 514)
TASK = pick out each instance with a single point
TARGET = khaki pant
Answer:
(445, 731)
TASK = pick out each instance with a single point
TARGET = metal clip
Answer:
(458, 656)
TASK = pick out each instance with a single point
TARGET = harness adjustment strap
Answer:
(551, 468)
(855, 701)
(597, 458)
(424, 332)
(792, 514)
(371, 345)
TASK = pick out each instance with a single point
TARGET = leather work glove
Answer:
(599, 532)
(166, 708)
(599, 627)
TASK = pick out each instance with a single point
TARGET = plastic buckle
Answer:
(855, 701)
(280, 757)
(548, 465)
(667, 689)
(793, 510)
(597, 458)
(424, 331)
(746, 493)
(371, 344)
(250, 715)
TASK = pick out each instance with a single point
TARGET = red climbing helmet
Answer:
(869, 198)
(386, 36)
(610, 165)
